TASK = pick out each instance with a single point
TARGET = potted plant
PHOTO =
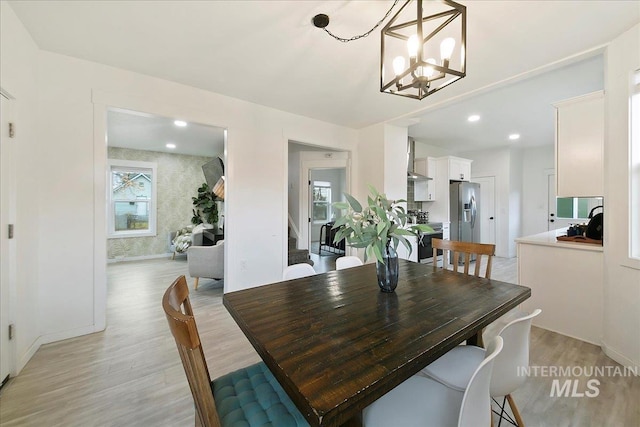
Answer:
(379, 228)
(205, 208)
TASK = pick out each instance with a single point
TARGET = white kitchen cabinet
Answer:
(425, 191)
(459, 169)
(580, 146)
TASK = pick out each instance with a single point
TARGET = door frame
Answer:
(8, 262)
(102, 101)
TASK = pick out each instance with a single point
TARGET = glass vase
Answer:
(387, 272)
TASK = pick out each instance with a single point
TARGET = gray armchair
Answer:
(206, 261)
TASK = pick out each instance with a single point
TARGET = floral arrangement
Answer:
(378, 227)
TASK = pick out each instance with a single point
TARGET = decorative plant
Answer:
(205, 207)
(376, 227)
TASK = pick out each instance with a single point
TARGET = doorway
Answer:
(102, 102)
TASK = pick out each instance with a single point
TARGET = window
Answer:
(576, 207)
(132, 199)
(634, 168)
(321, 201)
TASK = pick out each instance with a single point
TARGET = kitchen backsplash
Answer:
(411, 203)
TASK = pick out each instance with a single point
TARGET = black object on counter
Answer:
(596, 224)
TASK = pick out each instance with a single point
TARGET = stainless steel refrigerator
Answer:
(464, 198)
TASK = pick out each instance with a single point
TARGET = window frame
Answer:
(129, 166)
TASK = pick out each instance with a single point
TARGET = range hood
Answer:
(411, 157)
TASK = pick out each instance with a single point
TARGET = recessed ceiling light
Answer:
(172, 146)
(473, 118)
(514, 136)
(180, 123)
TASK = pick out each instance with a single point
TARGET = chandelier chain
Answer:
(345, 40)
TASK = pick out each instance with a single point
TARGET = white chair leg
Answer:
(195, 287)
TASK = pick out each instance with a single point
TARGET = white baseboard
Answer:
(71, 333)
(143, 257)
(22, 361)
(620, 358)
(599, 344)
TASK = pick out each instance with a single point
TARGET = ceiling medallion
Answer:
(411, 41)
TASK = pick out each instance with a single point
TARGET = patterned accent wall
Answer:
(179, 177)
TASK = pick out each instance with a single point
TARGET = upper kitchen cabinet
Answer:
(459, 169)
(580, 145)
(425, 191)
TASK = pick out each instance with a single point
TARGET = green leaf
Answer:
(340, 205)
(373, 191)
(355, 205)
(421, 227)
(340, 221)
(404, 232)
(378, 253)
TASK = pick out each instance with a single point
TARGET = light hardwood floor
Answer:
(131, 375)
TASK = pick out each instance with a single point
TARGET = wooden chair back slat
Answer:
(464, 250)
(182, 323)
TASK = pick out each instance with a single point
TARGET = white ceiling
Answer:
(269, 53)
(142, 131)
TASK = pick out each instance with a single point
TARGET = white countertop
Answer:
(548, 238)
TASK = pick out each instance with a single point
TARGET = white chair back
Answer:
(347, 262)
(506, 379)
(476, 403)
(297, 271)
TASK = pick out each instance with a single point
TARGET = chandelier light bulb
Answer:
(446, 48)
(398, 65)
(428, 71)
(412, 46)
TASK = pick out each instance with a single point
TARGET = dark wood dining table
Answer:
(336, 343)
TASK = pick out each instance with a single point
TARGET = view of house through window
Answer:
(132, 201)
(321, 201)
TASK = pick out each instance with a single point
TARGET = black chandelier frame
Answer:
(421, 85)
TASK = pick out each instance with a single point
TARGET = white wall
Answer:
(18, 72)
(621, 275)
(535, 166)
(371, 156)
(293, 189)
(515, 198)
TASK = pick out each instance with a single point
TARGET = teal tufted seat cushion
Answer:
(253, 397)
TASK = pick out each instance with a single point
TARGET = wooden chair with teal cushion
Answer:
(247, 397)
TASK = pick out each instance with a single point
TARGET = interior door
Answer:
(487, 213)
(7, 252)
(553, 221)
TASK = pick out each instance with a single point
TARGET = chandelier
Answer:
(413, 39)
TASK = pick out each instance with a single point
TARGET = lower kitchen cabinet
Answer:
(566, 281)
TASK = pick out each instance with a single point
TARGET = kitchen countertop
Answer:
(548, 238)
